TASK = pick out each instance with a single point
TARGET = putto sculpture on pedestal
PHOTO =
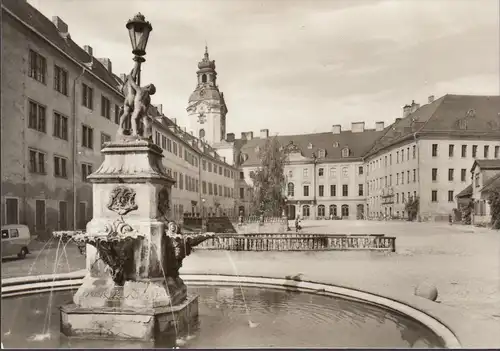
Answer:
(134, 251)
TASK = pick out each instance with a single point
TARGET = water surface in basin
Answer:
(236, 317)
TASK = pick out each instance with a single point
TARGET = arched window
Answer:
(306, 212)
(204, 78)
(321, 211)
(345, 152)
(333, 210)
(291, 189)
(202, 133)
(345, 210)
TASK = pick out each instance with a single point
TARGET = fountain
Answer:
(132, 289)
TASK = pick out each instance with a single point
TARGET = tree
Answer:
(412, 207)
(494, 202)
(269, 179)
(466, 211)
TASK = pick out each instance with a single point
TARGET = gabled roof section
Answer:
(486, 164)
(492, 183)
(35, 19)
(459, 115)
(332, 144)
(467, 192)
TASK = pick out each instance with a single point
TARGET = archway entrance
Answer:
(290, 211)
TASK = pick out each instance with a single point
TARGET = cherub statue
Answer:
(135, 105)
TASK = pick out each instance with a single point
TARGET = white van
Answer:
(15, 240)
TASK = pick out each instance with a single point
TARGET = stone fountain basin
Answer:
(433, 332)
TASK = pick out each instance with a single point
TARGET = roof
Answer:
(34, 18)
(486, 164)
(467, 192)
(209, 93)
(492, 183)
(457, 114)
(358, 143)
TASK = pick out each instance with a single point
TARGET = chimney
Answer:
(430, 99)
(61, 26)
(249, 135)
(174, 120)
(379, 126)
(230, 137)
(406, 111)
(123, 76)
(106, 62)
(397, 120)
(414, 106)
(159, 107)
(184, 129)
(264, 133)
(336, 129)
(224, 158)
(357, 127)
(88, 50)
(243, 135)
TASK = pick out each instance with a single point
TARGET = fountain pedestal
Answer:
(132, 289)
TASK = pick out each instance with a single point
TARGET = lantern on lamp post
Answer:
(139, 30)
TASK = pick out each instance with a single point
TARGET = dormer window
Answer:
(471, 113)
(462, 124)
(310, 146)
(336, 144)
(345, 152)
(321, 153)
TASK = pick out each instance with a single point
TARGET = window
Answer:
(486, 151)
(333, 190)
(63, 215)
(402, 177)
(40, 215)
(407, 177)
(105, 107)
(180, 151)
(345, 210)
(86, 171)
(11, 211)
(407, 153)
(117, 114)
(202, 133)
(163, 142)
(306, 211)
(464, 150)
(157, 138)
(321, 172)
(434, 174)
(87, 96)
(450, 174)
(414, 152)
(450, 196)
(37, 67)
(414, 176)
(321, 211)
(434, 196)
(37, 161)
(291, 189)
(333, 172)
(474, 151)
(60, 167)
(174, 147)
(181, 181)
(105, 138)
(60, 80)
(434, 150)
(463, 174)
(176, 184)
(402, 156)
(242, 193)
(87, 137)
(345, 152)
(345, 190)
(360, 170)
(321, 190)
(216, 192)
(321, 153)
(497, 151)
(220, 170)
(60, 126)
(169, 149)
(397, 198)
(360, 189)
(403, 198)
(397, 156)
(210, 167)
(306, 190)
(305, 172)
(220, 190)
(5, 234)
(37, 117)
(390, 179)
(345, 172)
(204, 187)
(290, 174)
(451, 150)
(476, 180)
(397, 178)
(82, 215)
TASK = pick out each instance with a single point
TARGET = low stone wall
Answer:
(298, 242)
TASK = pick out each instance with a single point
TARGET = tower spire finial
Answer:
(206, 49)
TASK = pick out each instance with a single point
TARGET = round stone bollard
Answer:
(427, 291)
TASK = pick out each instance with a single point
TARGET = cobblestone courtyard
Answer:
(462, 261)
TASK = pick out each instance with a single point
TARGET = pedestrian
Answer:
(450, 219)
(297, 224)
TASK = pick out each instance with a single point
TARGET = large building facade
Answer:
(59, 105)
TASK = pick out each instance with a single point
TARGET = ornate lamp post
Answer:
(138, 31)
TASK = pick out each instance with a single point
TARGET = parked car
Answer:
(15, 240)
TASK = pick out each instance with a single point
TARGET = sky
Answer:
(300, 66)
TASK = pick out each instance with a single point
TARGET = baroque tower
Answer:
(206, 108)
